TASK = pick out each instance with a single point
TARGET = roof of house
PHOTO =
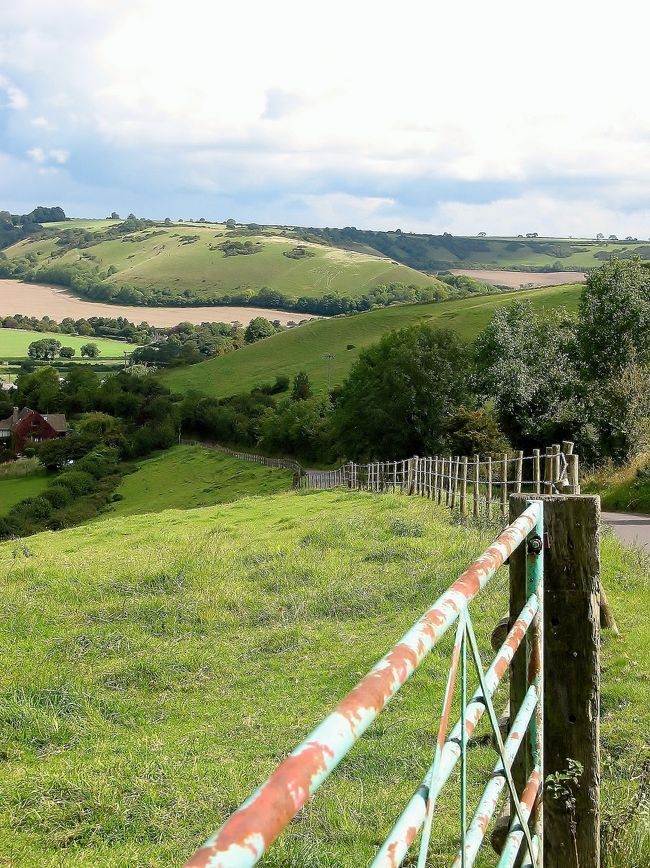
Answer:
(57, 421)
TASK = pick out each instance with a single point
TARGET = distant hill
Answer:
(14, 227)
(303, 349)
(442, 252)
(143, 262)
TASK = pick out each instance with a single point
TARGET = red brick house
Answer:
(29, 425)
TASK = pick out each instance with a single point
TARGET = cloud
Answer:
(425, 119)
(12, 97)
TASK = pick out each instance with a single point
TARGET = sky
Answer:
(505, 117)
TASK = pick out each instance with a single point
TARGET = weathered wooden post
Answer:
(571, 674)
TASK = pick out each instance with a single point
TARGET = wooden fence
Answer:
(469, 484)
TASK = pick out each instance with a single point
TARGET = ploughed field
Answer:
(304, 349)
(155, 668)
(34, 299)
(522, 279)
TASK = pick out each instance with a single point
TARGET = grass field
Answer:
(623, 489)
(15, 342)
(13, 490)
(156, 668)
(185, 477)
(167, 260)
(439, 252)
(345, 337)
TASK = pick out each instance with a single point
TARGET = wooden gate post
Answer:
(571, 674)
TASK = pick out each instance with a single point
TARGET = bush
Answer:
(58, 495)
(77, 481)
(33, 509)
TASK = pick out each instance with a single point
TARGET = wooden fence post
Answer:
(571, 673)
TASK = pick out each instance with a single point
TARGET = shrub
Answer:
(58, 495)
(77, 481)
(33, 508)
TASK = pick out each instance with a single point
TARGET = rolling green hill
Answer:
(303, 348)
(186, 477)
(155, 668)
(186, 258)
(440, 252)
(15, 489)
(15, 342)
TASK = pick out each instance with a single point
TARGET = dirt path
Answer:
(631, 529)
(34, 299)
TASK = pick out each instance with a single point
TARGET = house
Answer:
(29, 425)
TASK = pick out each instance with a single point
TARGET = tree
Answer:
(67, 352)
(400, 394)
(115, 215)
(301, 387)
(231, 224)
(525, 364)
(257, 329)
(475, 432)
(39, 390)
(90, 351)
(614, 318)
(46, 349)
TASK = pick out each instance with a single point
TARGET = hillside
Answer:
(186, 477)
(14, 343)
(303, 348)
(440, 252)
(186, 259)
(150, 685)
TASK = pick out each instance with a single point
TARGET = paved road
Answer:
(631, 529)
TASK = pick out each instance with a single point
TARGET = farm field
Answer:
(303, 348)
(520, 279)
(440, 252)
(14, 343)
(33, 299)
(186, 257)
(15, 489)
(186, 477)
(149, 686)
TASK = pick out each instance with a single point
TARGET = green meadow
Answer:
(16, 488)
(180, 257)
(14, 343)
(303, 349)
(186, 477)
(155, 669)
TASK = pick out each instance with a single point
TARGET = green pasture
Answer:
(304, 348)
(14, 343)
(13, 489)
(168, 260)
(186, 477)
(157, 667)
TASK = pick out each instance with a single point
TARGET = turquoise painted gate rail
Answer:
(248, 833)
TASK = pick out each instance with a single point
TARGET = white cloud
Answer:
(332, 113)
(12, 97)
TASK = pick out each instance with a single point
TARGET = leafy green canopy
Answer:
(400, 393)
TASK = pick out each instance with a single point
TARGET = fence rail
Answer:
(247, 834)
(470, 485)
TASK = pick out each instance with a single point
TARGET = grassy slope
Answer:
(303, 348)
(189, 476)
(164, 261)
(156, 668)
(626, 489)
(14, 343)
(12, 491)
(432, 252)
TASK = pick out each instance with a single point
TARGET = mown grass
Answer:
(303, 349)
(625, 489)
(186, 477)
(15, 488)
(156, 668)
(166, 260)
(14, 343)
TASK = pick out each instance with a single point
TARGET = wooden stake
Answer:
(488, 496)
(504, 487)
(536, 477)
(463, 487)
(548, 471)
(519, 470)
(571, 672)
(476, 486)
